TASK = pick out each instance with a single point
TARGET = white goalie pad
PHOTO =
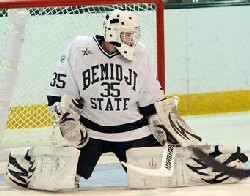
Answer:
(167, 164)
(173, 123)
(43, 168)
(17, 168)
(189, 171)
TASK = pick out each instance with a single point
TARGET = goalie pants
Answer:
(90, 154)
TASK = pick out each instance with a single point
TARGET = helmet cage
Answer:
(130, 38)
(122, 30)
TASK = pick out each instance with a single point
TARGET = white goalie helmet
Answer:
(122, 29)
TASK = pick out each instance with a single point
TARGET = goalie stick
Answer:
(220, 167)
(167, 164)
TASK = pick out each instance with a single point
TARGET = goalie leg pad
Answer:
(18, 167)
(189, 170)
(43, 168)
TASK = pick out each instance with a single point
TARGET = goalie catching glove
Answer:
(69, 122)
(168, 126)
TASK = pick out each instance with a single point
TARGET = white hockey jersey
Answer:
(116, 91)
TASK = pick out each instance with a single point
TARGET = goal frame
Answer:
(11, 4)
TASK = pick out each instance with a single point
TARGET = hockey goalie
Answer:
(105, 98)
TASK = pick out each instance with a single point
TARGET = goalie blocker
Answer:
(67, 121)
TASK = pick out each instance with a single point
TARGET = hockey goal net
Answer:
(50, 27)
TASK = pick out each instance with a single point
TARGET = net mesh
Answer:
(48, 31)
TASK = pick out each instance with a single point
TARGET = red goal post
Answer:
(32, 114)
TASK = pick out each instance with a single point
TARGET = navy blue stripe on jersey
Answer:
(99, 39)
(53, 99)
(147, 110)
(114, 129)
